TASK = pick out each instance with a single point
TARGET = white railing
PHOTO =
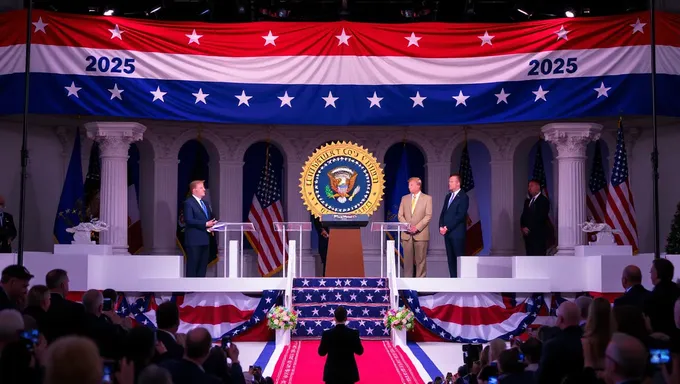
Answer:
(292, 273)
(392, 274)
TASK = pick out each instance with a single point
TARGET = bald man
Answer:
(7, 229)
(635, 294)
(626, 359)
(563, 355)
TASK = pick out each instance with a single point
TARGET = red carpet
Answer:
(381, 363)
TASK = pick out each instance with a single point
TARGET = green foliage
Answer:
(673, 239)
(329, 192)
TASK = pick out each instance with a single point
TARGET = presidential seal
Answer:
(342, 178)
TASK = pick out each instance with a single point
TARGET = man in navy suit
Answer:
(198, 219)
(453, 222)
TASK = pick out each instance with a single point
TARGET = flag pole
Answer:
(24, 136)
(655, 148)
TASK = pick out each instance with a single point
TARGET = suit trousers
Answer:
(415, 252)
(197, 260)
(535, 245)
(455, 247)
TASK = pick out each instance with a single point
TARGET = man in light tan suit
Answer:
(416, 210)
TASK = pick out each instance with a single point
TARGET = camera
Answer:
(107, 306)
(471, 353)
(226, 342)
(30, 338)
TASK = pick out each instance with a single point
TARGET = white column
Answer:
(114, 140)
(571, 140)
(296, 212)
(165, 206)
(231, 206)
(503, 224)
(437, 186)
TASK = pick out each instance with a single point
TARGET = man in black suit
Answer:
(635, 294)
(453, 222)
(7, 229)
(14, 287)
(323, 233)
(534, 220)
(626, 359)
(562, 356)
(198, 218)
(340, 343)
(106, 332)
(660, 305)
(167, 322)
(64, 317)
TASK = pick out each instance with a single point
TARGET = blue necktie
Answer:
(451, 199)
(205, 210)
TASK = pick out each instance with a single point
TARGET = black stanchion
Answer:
(655, 149)
(24, 140)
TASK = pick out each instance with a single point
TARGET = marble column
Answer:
(503, 223)
(571, 140)
(297, 212)
(114, 140)
(231, 210)
(437, 186)
(165, 206)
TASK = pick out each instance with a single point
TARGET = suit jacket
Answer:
(195, 231)
(187, 372)
(64, 317)
(536, 216)
(7, 233)
(421, 216)
(6, 302)
(340, 344)
(108, 336)
(636, 296)
(659, 307)
(174, 350)
(561, 356)
(454, 217)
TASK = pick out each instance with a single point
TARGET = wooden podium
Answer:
(345, 256)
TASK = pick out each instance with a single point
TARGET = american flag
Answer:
(264, 211)
(596, 201)
(620, 207)
(474, 242)
(539, 175)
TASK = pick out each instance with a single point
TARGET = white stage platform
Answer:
(520, 274)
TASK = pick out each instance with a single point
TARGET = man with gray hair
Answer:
(626, 359)
(105, 331)
(11, 323)
(562, 356)
(154, 374)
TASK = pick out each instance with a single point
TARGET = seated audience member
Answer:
(167, 322)
(597, 334)
(11, 324)
(626, 359)
(532, 353)
(64, 317)
(635, 294)
(562, 356)
(496, 346)
(583, 304)
(486, 373)
(37, 304)
(106, 332)
(139, 348)
(13, 287)
(512, 368)
(73, 359)
(154, 374)
(659, 306)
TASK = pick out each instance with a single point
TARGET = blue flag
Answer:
(399, 190)
(71, 204)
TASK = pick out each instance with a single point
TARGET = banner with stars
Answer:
(347, 74)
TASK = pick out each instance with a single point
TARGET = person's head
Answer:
(57, 281)
(110, 294)
(93, 301)
(626, 358)
(496, 346)
(139, 346)
(583, 304)
(414, 185)
(14, 281)
(167, 317)
(11, 323)
(486, 373)
(198, 344)
(534, 187)
(632, 275)
(39, 296)
(568, 315)
(630, 320)
(73, 359)
(437, 380)
(662, 270)
(197, 188)
(154, 374)
(454, 182)
(340, 315)
(509, 361)
(532, 350)
(484, 356)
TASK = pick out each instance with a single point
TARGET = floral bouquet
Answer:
(281, 318)
(399, 319)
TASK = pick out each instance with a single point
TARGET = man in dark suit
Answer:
(340, 344)
(562, 356)
(453, 222)
(7, 229)
(626, 359)
(167, 321)
(64, 317)
(14, 287)
(635, 294)
(534, 219)
(108, 335)
(198, 218)
(661, 303)
(323, 233)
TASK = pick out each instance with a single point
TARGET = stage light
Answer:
(155, 10)
(569, 13)
(523, 12)
(205, 12)
(108, 12)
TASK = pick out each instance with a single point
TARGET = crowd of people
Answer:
(45, 338)
(634, 341)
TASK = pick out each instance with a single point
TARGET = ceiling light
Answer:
(108, 12)
(522, 12)
(205, 12)
(155, 10)
(569, 13)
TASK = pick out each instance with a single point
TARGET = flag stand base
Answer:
(345, 253)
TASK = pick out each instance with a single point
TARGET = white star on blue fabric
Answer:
(73, 90)
(200, 96)
(460, 99)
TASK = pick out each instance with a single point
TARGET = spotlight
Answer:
(569, 13)
(155, 10)
(108, 12)
(205, 12)
(523, 12)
